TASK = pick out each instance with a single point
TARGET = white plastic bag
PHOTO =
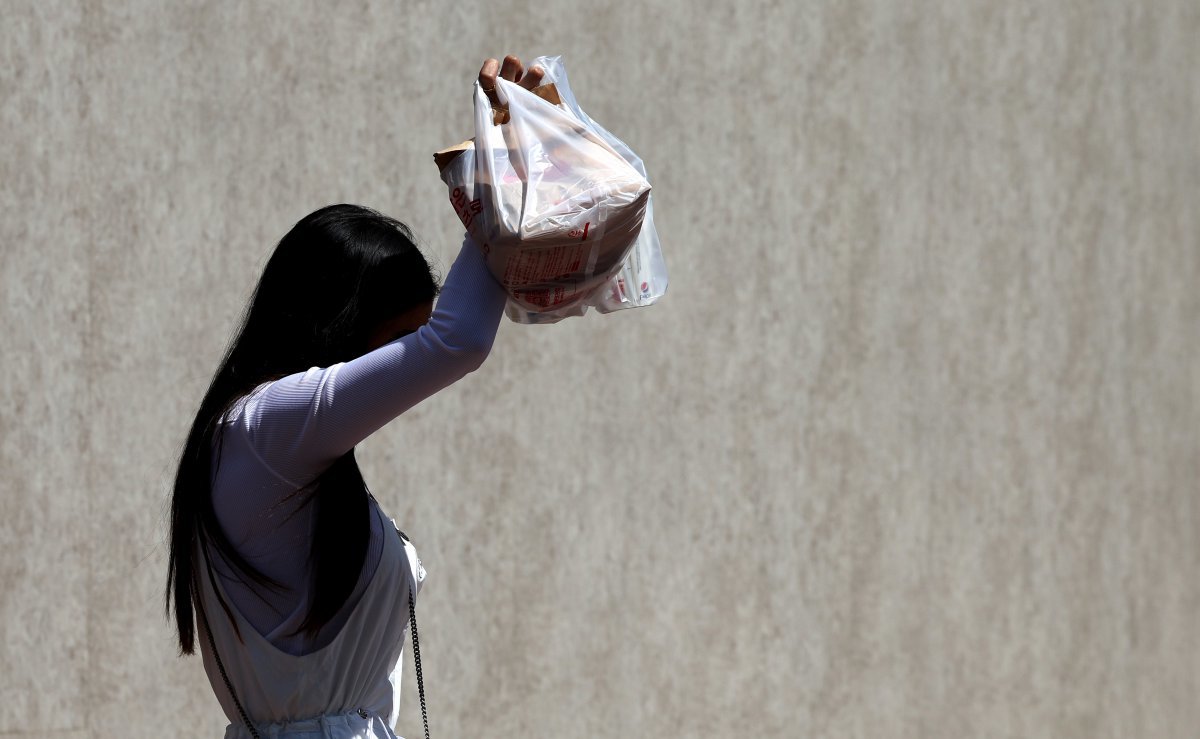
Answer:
(561, 207)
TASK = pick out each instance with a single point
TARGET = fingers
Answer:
(532, 78)
(487, 80)
(512, 69)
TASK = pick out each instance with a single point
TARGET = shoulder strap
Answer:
(412, 617)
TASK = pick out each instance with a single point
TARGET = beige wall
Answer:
(911, 448)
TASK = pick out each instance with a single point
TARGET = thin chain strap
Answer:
(412, 615)
(221, 667)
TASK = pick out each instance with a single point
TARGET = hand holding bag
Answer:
(560, 207)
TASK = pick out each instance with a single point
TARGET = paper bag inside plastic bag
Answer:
(561, 207)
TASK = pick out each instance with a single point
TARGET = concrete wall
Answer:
(911, 448)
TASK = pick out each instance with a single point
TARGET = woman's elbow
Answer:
(466, 351)
(466, 355)
(471, 358)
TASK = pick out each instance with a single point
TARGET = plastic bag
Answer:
(561, 208)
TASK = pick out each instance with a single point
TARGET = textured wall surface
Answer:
(911, 449)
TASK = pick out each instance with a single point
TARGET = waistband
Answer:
(355, 724)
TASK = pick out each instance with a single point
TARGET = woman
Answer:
(281, 560)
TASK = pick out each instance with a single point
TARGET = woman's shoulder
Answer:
(245, 405)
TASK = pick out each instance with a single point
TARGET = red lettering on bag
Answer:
(466, 211)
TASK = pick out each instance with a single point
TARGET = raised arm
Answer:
(300, 424)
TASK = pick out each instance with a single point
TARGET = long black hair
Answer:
(332, 279)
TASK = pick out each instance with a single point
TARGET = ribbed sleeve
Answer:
(300, 424)
(285, 433)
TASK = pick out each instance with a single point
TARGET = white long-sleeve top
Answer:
(285, 433)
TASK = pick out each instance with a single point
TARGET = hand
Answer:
(511, 71)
